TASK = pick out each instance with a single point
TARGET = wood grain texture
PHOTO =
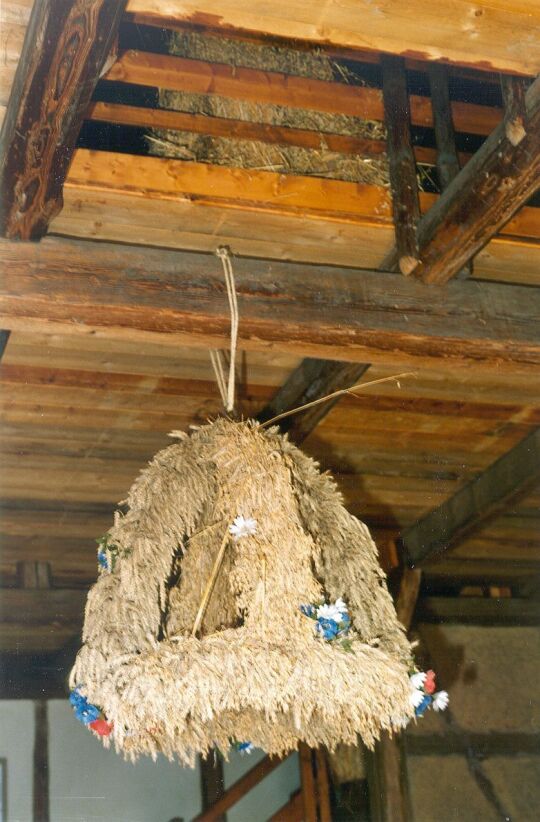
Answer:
(482, 198)
(65, 47)
(512, 474)
(501, 36)
(200, 77)
(325, 312)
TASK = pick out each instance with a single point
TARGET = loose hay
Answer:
(257, 672)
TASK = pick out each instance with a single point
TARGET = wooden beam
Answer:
(499, 36)
(41, 762)
(443, 124)
(485, 194)
(312, 380)
(212, 781)
(491, 743)
(254, 85)
(39, 620)
(408, 595)
(333, 313)
(489, 611)
(292, 811)
(65, 48)
(240, 788)
(511, 475)
(389, 799)
(403, 183)
(145, 117)
(307, 782)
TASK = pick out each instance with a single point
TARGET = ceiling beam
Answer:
(141, 293)
(488, 36)
(311, 380)
(510, 476)
(65, 49)
(485, 194)
(478, 610)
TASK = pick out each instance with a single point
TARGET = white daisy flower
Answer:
(416, 697)
(331, 612)
(440, 701)
(243, 527)
(417, 680)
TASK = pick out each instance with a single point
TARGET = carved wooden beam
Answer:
(498, 179)
(66, 46)
(511, 475)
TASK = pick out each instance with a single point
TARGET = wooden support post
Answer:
(515, 114)
(212, 782)
(408, 596)
(323, 786)
(41, 762)
(307, 781)
(443, 123)
(511, 475)
(403, 182)
(65, 48)
(310, 381)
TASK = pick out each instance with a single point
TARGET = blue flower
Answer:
(423, 706)
(84, 711)
(244, 747)
(308, 610)
(103, 561)
(329, 628)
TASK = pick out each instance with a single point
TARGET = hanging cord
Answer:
(226, 388)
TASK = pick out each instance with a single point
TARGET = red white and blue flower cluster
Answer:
(423, 695)
(89, 714)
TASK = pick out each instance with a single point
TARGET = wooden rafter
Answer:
(466, 610)
(498, 179)
(65, 49)
(333, 313)
(311, 380)
(511, 475)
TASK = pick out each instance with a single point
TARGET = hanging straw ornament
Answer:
(238, 600)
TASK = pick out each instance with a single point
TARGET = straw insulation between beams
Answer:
(258, 671)
(261, 155)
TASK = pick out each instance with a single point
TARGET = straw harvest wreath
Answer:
(239, 603)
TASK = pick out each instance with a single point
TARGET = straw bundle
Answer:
(257, 671)
(254, 154)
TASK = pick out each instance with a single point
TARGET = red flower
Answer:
(101, 727)
(429, 684)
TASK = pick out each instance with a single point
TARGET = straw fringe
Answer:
(269, 680)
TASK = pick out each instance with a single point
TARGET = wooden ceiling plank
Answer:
(511, 475)
(498, 179)
(183, 74)
(469, 610)
(332, 313)
(64, 51)
(489, 36)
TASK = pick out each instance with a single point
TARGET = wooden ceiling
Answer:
(87, 397)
